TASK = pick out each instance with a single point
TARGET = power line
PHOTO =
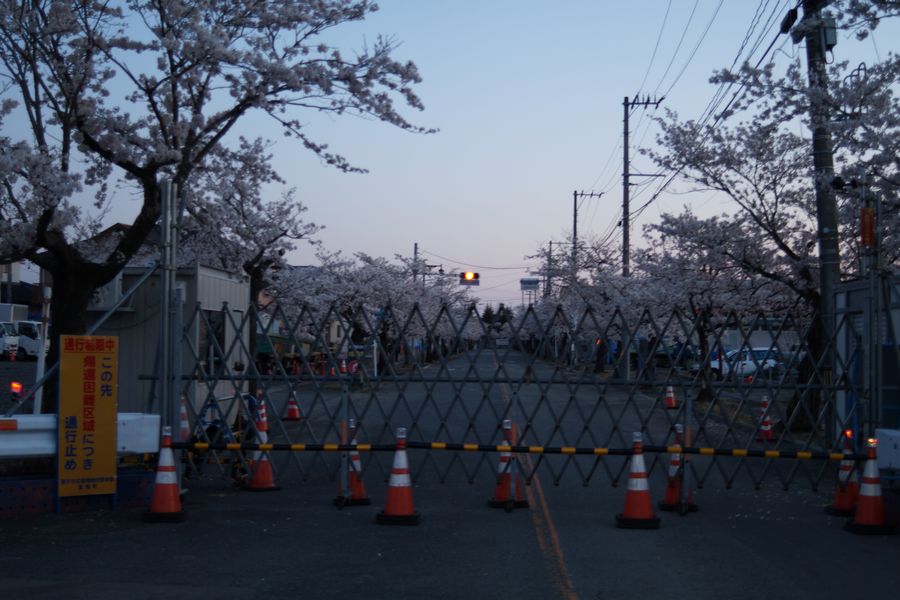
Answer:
(697, 47)
(656, 47)
(678, 47)
(721, 117)
(467, 264)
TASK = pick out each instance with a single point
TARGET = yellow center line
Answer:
(547, 535)
(544, 528)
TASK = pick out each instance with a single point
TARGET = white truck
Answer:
(30, 341)
(9, 341)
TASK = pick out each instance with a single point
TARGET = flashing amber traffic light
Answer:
(468, 278)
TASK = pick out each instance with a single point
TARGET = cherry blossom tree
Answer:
(149, 90)
(375, 296)
(232, 226)
(753, 156)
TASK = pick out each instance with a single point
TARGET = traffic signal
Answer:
(15, 389)
(468, 278)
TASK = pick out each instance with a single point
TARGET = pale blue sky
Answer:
(528, 98)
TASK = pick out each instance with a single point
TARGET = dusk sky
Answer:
(528, 99)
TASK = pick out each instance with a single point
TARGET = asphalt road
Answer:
(292, 543)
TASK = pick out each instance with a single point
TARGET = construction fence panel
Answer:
(585, 378)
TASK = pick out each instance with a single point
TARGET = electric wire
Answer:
(721, 116)
(696, 47)
(656, 47)
(613, 233)
(467, 264)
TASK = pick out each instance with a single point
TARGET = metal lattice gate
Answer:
(584, 379)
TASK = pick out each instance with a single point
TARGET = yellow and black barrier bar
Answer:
(565, 450)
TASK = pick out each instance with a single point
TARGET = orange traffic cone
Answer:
(869, 517)
(847, 488)
(508, 493)
(765, 433)
(343, 366)
(638, 512)
(165, 505)
(293, 410)
(672, 499)
(184, 425)
(670, 403)
(355, 494)
(262, 478)
(399, 508)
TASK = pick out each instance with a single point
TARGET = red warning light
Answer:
(848, 433)
(15, 387)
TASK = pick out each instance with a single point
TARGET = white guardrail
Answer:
(36, 435)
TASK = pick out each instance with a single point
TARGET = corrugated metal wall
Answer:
(137, 324)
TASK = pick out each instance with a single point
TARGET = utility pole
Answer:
(548, 281)
(575, 196)
(415, 261)
(818, 42)
(627, 105)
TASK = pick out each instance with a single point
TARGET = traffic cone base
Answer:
(383, 518)
(623, 522)
(340, 501)
(840, 512)
(509, 504)
(681, 507)
(863, 529)
(151, 517)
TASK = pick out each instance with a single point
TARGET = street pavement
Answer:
(293, 543)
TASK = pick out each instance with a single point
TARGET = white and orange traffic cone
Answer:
(293, 410)
(399, 508)
(184, 425)
(165, 505)
(638, 513)
(670, 402)
(765, 433)
(355, 494)
(869, 517)
(672, 498)
(262, 478)
(343, 368)
(846, 490)
(508, 491)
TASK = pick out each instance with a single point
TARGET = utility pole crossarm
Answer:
(575, 196)
(627, 105)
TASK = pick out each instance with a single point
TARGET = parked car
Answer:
(747, 361)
